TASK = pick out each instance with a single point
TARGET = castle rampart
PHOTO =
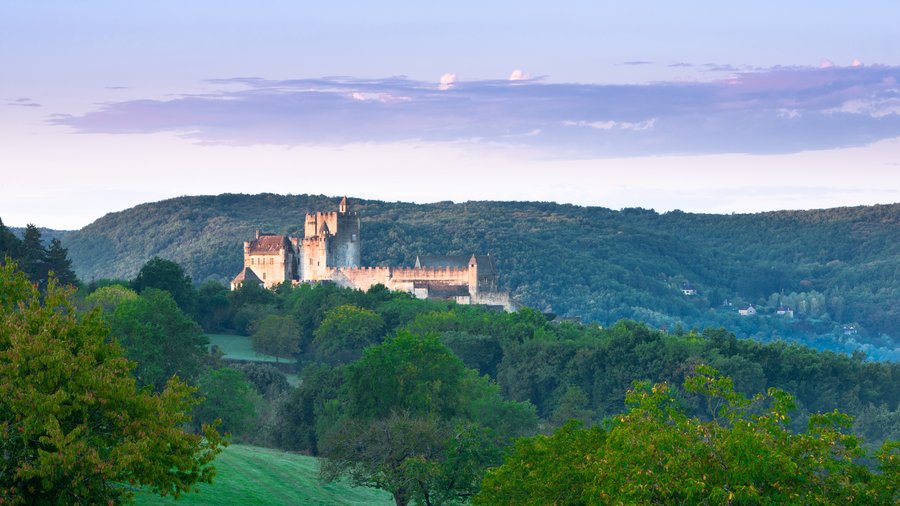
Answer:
(331, 250)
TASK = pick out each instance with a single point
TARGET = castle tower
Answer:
(331, 240)
(345, 247)
(473, 278)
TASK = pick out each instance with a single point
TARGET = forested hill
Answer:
(837, 269)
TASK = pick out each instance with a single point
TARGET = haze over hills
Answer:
(838, 270)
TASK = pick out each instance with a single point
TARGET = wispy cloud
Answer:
(637, 62)
(23, 102)
(780, 110)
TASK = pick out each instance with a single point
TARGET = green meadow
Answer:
(252, 475)
(239, 348)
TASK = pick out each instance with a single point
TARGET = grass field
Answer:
(239, 348)
(252, 475)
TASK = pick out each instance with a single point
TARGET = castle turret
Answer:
(473, 278)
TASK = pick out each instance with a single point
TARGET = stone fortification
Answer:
(330, 251)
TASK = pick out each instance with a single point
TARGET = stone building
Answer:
(330, 251)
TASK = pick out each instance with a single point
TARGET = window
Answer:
(352, 237)
(264, 276)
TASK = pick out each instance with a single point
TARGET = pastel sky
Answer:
(695, 105)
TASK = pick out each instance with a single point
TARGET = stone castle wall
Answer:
(331, 251)
(395, 278)
(361, 278)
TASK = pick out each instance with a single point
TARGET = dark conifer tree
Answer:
(10, 245)
(34, 256)
(58, 262)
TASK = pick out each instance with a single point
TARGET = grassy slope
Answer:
(239, 348)
(252, 475)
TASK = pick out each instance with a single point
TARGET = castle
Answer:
(330, 251)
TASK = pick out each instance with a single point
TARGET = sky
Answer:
(697, 105)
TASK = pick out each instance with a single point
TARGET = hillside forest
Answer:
(433, 402)
(828, 278)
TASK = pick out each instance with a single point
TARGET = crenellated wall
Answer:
(402, 279)
(330, 251)
(455, 275)
(361, 278)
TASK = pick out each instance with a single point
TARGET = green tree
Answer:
(278, 336)
(34, 256)
(74, 428)
(229, 397)
(169, 276)
(212, 306)
(572, 406)
(345, 331)
(58, 262)
(295, 426)
(109, 297)
(411, 419)
(655, 454)
(157, 335)
(10, 245)
(269, 381)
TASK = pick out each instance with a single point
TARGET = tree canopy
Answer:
(73, 426)
(656, 454)
(411, 419)
(157, 335)
(169, 276)
(278, 336)
(345, 331)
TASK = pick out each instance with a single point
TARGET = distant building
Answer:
(688, 290)
(747, 311)
(785, 311)
(330, 251)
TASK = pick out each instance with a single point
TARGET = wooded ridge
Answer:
(836, 270)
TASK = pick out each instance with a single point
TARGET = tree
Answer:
(109, 297)
(229, 397)
(411, 419)
(73, 426)
(10, 245)
(345, 331)
(278, 336)
(268, 381)
(34, 256)
(295, 427)
(59, 264)
(169, 276)
(212, 306)
(157, 335)
(655, 454)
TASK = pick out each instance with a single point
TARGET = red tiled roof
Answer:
(267, 245)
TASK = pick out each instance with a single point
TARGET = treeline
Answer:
(834, 268)
(565, 369)
(35, 259)
(421, 398)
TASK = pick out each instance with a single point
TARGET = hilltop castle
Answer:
(330, 251)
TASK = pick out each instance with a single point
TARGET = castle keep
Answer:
(330, 251)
